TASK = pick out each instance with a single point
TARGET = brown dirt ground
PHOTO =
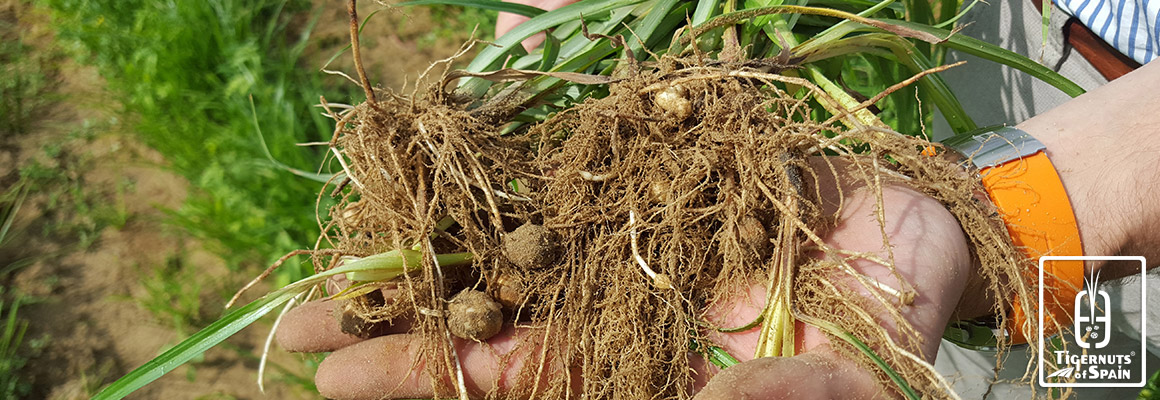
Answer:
(396, 44)
(93, 329)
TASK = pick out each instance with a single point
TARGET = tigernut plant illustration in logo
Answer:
(1095, 324)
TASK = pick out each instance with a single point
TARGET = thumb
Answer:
(818, 374)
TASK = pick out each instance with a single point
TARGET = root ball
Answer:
(473, 315)
(532, 246)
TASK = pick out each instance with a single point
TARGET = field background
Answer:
(136, 194)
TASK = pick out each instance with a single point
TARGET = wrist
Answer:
(1103, 147)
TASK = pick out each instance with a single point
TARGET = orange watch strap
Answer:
(1033, 203)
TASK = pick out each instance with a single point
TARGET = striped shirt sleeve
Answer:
(1131, 26)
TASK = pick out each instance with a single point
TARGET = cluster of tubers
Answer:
(476, 315)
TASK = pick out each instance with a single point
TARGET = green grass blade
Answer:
(1045, 20)
(322, 178)
(576, 43)
(198, 343)
(9, 213)
(392, 262)
(579, 54)
(897, 379)
(987, 51)
(842, 28)
(956, 18)
(946, 101)
(704, 11)
(501, 6)
(490, 57)
(551, 52)
(932, 86)
(715, 355)
(835, 330)
(643, 33)
(919, 11)
(721, 358)
(896, 7)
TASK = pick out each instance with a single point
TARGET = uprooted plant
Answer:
(607, 191)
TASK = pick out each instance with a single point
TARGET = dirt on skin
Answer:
(662, 195)
(85, 320)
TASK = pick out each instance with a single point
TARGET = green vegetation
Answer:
(12, 327)
(74, 210)
(12, 330)
(184, 73)
(220, 88)
(1151, 390)
(173, 294)
(25, 76)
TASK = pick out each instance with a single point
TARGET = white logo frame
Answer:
(1143, 316)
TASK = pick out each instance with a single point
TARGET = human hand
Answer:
(930, 253)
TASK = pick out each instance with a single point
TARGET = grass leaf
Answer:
(987, 51)
(197, 344)
(897, 379)
(643, 33)
(490, 57)
(551, 53)
(379, 266)
(501, 6)
(835, 330)
(321, 178)
(705, 10)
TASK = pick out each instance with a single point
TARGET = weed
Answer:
(173, 295)
(1151, 390)
(14, 353)
(12, 329)
(71, 208)
(25, 75)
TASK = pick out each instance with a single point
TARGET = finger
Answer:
(818, 374)
(316, 326)
(387, 367)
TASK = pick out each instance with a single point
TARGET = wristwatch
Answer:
(1030, 198)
